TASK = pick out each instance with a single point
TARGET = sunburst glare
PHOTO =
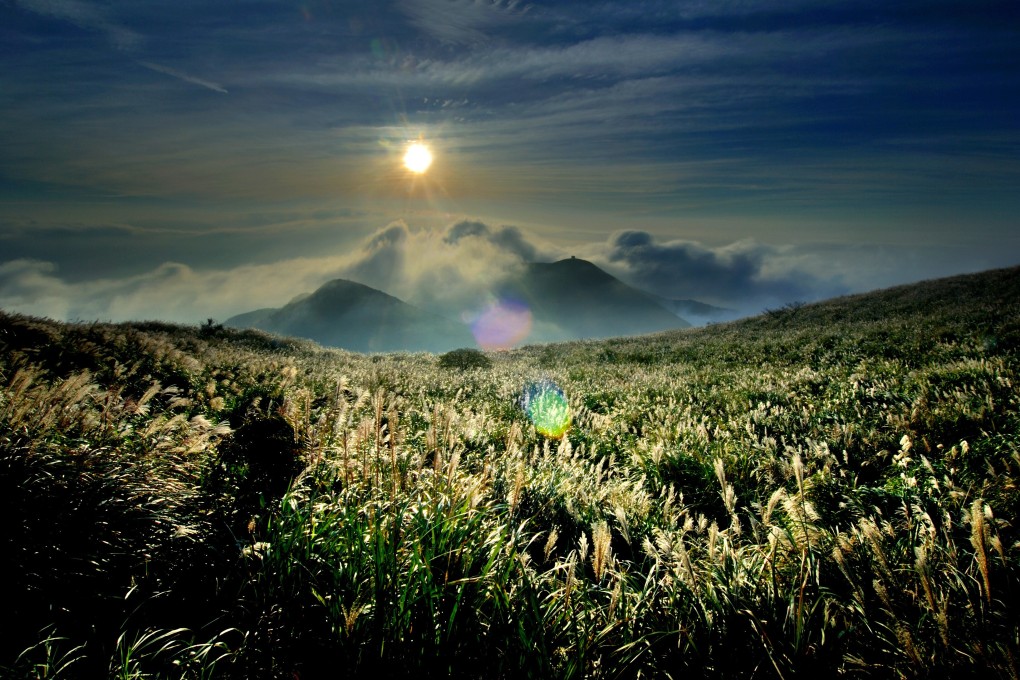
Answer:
(418, 158)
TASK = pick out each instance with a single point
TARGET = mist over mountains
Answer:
(459, 269)
(573, 299)
(359, 318)
(696, 312)
(539, 302)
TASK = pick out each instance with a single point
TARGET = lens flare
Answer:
(502, 324)
(547, 408)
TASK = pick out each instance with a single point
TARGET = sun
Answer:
(418, 158)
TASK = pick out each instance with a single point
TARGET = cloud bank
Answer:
(447, 270)
(452, 270)
(744, 275)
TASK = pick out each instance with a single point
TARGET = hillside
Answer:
(904, 323)
(822, 490)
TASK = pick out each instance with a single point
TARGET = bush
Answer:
(464, 359)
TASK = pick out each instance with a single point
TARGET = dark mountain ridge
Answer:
(356, 317)
(568, 300)
(574, 299)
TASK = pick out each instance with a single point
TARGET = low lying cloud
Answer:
(507, 239)
(448, 271)
(745, 275)
(452, 271)
(171, 292)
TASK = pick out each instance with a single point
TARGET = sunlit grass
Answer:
(824, 489)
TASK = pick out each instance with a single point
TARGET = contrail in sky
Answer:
(208, 84)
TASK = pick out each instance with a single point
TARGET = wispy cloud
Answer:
(462, 21)
(794, 122)
(605, 59)
(88, 16)
(180, 75)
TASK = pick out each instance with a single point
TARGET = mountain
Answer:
(350, 315)
(573, 299)
(258, 318)
(568, 300)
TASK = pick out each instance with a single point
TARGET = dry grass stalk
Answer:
(602, 551)
(978, 539)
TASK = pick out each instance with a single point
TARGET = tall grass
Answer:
(825, 489)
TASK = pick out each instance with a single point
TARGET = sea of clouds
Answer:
(453, 270)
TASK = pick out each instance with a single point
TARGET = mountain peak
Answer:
(568, 299)
(573, 260)
(574, 298)
(571, 264)
(343, 313)
(347, 286)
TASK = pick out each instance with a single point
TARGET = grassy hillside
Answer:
(823, 489)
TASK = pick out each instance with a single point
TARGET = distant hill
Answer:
(350, 315)
(573, 299)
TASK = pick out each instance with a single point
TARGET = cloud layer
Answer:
(452, 270)
(447, 270)
(744, 274)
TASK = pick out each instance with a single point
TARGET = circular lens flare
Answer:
(418, 158)
(547, 408)
(502, 325)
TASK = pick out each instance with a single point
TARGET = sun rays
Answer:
(418, 158)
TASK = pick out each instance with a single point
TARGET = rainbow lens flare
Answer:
(502, 325)
(547, 407)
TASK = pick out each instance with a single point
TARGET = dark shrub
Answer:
(465, 358)
(263, 455)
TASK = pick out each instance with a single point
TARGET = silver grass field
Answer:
(822, 490)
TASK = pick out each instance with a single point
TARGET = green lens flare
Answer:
(547, 407)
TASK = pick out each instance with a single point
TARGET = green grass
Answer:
(824, 489)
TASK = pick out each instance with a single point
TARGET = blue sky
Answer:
(197, 159)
